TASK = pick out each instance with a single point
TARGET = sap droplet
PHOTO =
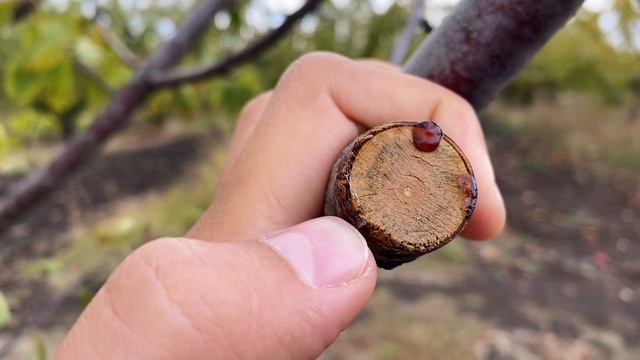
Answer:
(469, 187)
(427, 136)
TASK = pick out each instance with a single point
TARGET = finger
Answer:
(460, 122)
(253, 111)
(383, 65)
(286, 296)
(316, 110)
(247, 121)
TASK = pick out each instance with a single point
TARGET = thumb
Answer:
(285, 296)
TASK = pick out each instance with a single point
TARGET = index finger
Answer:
(320, 105)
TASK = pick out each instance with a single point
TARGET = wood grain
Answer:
(406, 202)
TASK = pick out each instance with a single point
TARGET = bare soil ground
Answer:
(562, 282)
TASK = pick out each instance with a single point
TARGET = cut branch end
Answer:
(406, 201)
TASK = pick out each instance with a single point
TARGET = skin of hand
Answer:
(262, 274)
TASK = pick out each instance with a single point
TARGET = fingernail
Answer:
(324, 252)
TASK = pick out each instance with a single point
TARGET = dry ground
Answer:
(562, 282)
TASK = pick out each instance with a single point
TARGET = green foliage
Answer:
(39, 350)
(28, 124)
(41, 70)
(5, 312)
(6, 12)
(580, 58)
(57, 69)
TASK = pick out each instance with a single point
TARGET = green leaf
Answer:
(89, 52)
(5, 141)
(46, 57)
(5, 312)
(6, 11)
(21, 86)
(32, 125)
(51, 48)
(60, 91)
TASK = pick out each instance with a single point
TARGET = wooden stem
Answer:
(408, 203)
(482, 44)
(406, 199)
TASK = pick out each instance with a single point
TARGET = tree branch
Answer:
(482, 44)
(403, 42)
(36, 186)
(159, 79)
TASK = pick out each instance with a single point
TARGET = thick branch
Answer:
(159, 79)
(37, 185)
(199, 20)
(403, 42)
(482, 44)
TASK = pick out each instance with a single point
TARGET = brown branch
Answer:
(403, 42)
(37, 185)
(248, 53)
(482, 44)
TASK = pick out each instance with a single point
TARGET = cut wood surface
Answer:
(406, 202)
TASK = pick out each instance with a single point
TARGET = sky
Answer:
(436, 11)
(265, 14)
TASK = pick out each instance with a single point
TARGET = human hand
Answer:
(263, 280)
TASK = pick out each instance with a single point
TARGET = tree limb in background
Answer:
(482, 44)
(248, 53)
(403, 42)
(36, 186)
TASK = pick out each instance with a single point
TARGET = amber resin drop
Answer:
(427, 136)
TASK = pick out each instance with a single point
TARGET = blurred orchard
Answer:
(562, 282)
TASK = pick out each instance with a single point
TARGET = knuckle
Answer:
(466, 108)
(313, 65)
(167, 262)
(254, 107)
(155, 250)
(463, 110)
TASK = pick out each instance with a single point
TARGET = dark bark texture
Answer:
(482, 44)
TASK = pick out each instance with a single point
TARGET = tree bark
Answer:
(482, 44)
(249, 52)
(37, 185)
(479, 47)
